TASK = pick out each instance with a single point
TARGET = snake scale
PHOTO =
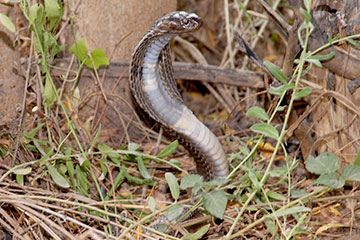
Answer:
(154, 89)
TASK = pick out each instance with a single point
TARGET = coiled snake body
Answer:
(154, 89)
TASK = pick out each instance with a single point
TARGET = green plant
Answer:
(6, 22)
(266, 129)
(68, 165)
(326, 166)
(97, 56)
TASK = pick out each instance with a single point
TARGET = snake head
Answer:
(178, 22)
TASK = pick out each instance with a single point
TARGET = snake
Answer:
(154, 89)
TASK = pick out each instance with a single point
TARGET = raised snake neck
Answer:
(154, 88)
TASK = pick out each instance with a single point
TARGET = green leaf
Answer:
(151, 203)
(311, 27)
(323, 57)
(95, 139)
(6, 22)
(62, 169)
(198, 234)
(82, 182)
(288, 211)
(49, 92)
(143, 170)
(71, 170)
(48, 40)
(52, 9)
(307, 4)
(174, 212)
(265, 129)
(84, 162)
(280, 108)
(351, 173)
(51, 45)
(331, 39)
(357, 159)
(306, 15)
(257, 112)
(175, 162)
(118, 180)
(45, 158)
(275, 196)
(197, 188)
(37, 24)
(303, 93)
(324, 163)
(275, 70)
(314, 61)
(353, 42)
(169, 149)
(271, 227)
(254, 180)
(57, 177)
(22, 171)
(190, 180)
(215, 183)
(133, 146)
(108, 151)
(162, 227)
(173, 185)
(20, 179)
(99, 58)
(80, 50)
(279, 172)
(332, 180)
(300, 29)
(281, 89)
(298, 193)
(55, 50)
(38, 43)
(103, 168)
(36, 14)
(138, 180)
(31, 135)
(215, 203)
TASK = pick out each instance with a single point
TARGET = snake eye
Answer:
(185, 21)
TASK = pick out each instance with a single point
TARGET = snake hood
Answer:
(178, 22)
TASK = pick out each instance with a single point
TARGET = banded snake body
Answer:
(154, 88)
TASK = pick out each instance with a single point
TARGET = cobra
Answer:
(154, 89)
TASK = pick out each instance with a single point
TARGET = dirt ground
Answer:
(86, 165)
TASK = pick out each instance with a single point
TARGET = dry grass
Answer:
(327, 120)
